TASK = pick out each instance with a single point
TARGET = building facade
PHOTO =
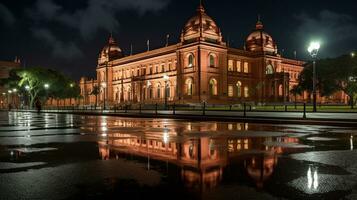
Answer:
(7, 98)
(200, 68)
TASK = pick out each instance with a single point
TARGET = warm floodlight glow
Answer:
(104, 85)
(166, 77)
(14, 90)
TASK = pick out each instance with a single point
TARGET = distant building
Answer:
(5, 68)
(200, 68)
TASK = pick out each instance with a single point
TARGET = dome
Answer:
(260, 41)
(110, 52)
(201, 27)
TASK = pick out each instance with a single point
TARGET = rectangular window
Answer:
(230, 65)
(169, 67)
(230, 90)
(246, 67)
(239, 66)
(150, 69)
(162, 68)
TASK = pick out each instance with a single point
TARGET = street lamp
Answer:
(46, 86)
(71, 85)
(104, 86)
(166, 78)
(353, 54)
(314, 50)
(27, 88)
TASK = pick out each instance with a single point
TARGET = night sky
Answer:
(68, 34)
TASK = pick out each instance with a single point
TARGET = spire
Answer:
(259, 24)
(200, 8)
(111, 39)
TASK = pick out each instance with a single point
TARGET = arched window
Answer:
(191, 60)
(213, 88)
(239, 89)
(189, 86)
(158, 91)
(212, 60)
(280, 90)
(167, 90)
(269, 69)
(246, 91)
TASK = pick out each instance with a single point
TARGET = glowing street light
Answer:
(71, 85)
(9, 91)
(314, 50)
(14, 90)
(46, 85)
(353, 54)
(27, 87)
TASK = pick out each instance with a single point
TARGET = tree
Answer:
(95, 91)
(39, 83)
(333, 75)
(296, 90)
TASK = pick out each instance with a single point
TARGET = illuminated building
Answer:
(201, 67)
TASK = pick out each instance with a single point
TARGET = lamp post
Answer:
(104, 86)
(27, 88)
(166, 78)
(313, 50)
(46, 86)
(14, 91)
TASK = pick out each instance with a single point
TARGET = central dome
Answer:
(111, 51)
(201, 27)
(260, 41)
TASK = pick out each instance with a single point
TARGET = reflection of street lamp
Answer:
(313, 50)
(104, 86)
(27, 88)
(166, 78)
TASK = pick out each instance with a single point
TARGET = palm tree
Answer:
(95, 91)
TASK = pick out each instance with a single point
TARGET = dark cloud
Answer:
(6, 15)
(59, 49)
(331, 28)
(96, 15)
(86, 21)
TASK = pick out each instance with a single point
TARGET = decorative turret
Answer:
(260, 41)
(110, 52)
(201, 27)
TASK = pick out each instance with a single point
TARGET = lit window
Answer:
(189, 86)
(230, 65)
(239, 89)
(246, 91)
(213, 87)
(190, 60)
(239, 67)
(230, 90)
(211, 60)
(246, 67)
(269, 70)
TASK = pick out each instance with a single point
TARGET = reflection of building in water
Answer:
(201, 160)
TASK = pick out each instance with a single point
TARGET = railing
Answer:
(234, 110)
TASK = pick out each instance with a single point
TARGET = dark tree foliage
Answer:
(333, 74)
(31, 82)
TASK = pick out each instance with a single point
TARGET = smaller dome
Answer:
(259, 40)
(201, 27)
(110, 52)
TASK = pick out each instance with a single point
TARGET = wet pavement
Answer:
(59, 156)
